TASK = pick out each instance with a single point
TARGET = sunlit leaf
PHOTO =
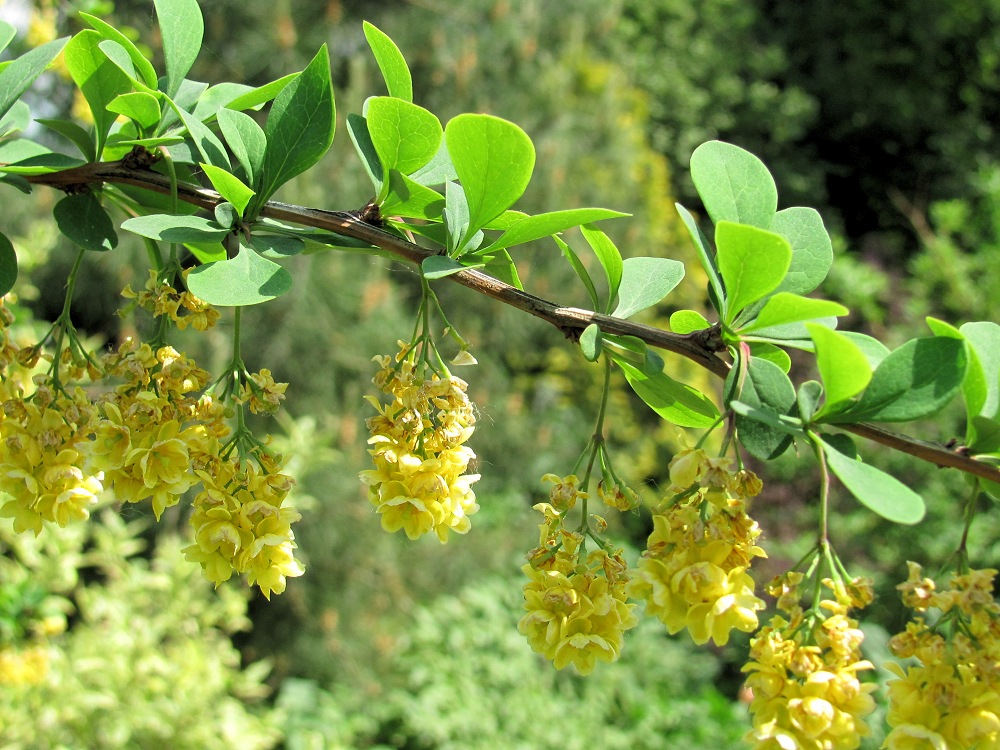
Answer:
(247, 279)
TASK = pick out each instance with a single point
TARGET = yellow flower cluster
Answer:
(419, 482)
(153, 428)
(43, 457)
(152, 434)
(240, 525)
(951, 697)
(693, 573)
(183, 308)
(576, 606)
(804, 673)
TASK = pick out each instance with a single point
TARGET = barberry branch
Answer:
(701, 347)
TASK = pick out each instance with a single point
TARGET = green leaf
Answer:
(734, 184)
(771, 353)
(73, 133)
(677, 403)
(779, 423)
(438, 170)
(170, 228)
(357, 127)
(21, 73)
(646, 281)
(299, 128)
(138, 106)
(984, 339)
(254, 98)
(916, 380)
(17, 182)
(439, 266)
(752, 262)
(876, 490)
(842, 366)
(391, 62)
(18, 118)
(8, 265)
(590, 342)
(581, 270)
(808, 398)
(7, 34)
(99, 79)
(404, 135)
(767, 388)
(544, 225)
(82, 219)
(609, 257)
(181, 28)
(246, 140)
(783, 308)
(119, 56)
(142, 66)
(247, 279)
(209, 146)
(873, 349)
(705, 255)
(410, 199)
(455, 216)
(981, 385)
(21, 156)
(812, 250)
(502, 267)
(277, 246)
(688, 321)
(206, 252)
(230, 187)
(494, 160)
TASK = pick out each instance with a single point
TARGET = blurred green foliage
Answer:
(147, 660)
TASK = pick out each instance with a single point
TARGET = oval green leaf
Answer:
(247, 279)
(752, 262)
(545, 225)
(170, 228)
(875, 489)
(8, 265)
(494, 160)
(82, 219)
(677, 403)
(784, 307)
(646, 281)
(391, 62)
(734, 184)
(405, 136)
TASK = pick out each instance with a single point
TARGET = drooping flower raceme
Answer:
(949, 698)
(803, 673)
(240, 525)
(576, 608)
(418, 440)
(693, 573)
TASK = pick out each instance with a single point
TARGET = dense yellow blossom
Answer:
(950, 698)
(693, 574)
(241, 525)
(577, 611)
(804, 674)
(43, 458)
(418, 449)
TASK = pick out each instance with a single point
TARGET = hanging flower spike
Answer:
(951, 696)
(804, 670)
(576, 608)
(419, 482)
(693, 573)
